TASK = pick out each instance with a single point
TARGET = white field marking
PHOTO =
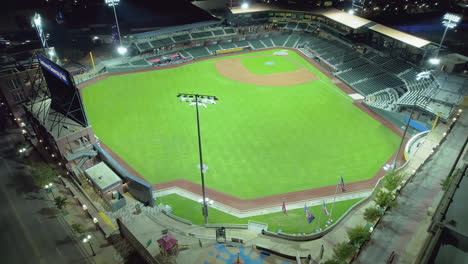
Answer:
(338, 92)
(58, 251)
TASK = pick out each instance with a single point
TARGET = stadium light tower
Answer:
(193, 99)
(420, 76)
(449, 21)
(121, 49)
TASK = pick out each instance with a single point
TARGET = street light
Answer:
(121, 49)
(420, 76)
(245, 6)
(48, 188)
(192, 99)
(87, 239)
(449, 21)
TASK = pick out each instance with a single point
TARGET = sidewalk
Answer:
(73, 213)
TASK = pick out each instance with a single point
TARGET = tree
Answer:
(358, 235)
(384, 199)
(60, 202)
(344, 251)
(78, 228)
(392, 181)
(42, 174)
(371, 214)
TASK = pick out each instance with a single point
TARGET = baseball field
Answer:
(280, 125)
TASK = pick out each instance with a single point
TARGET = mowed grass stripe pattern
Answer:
(295, 222)
(257, 141)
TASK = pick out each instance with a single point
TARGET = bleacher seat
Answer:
(280, 40)
(242, 43)
(256, 44)
(204, 34)
(268, 43)
(144, 46)
(218, 32)
(227, 45)
(214, 48)
(181, 38)
(229, 31)
(198, 52)
(292, 41)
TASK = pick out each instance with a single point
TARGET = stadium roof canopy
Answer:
(401, 36)
(254, 8)
(170, 30)
(344, 18)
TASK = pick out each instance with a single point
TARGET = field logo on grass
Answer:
(204, 169)
(281, 53)
(270, 63)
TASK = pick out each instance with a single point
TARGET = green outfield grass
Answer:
(294, 223)
(257, 140)
(269, 64)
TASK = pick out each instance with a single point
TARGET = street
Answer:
(31, 232)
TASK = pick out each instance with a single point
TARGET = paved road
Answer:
(400, 225)
(29, 230)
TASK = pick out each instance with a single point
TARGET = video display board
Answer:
(64, 94)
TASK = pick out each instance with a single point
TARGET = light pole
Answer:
(449, 21)
(422, 75)
(121, 49)
(206, 99)
(48, 188)
(87, 239)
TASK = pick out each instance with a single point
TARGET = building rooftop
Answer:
(401, 36)
(103, 176)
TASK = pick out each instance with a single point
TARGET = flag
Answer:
(310, 217)
(324, 208)
(343, 188)
(284, 209)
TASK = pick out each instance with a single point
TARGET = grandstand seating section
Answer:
(227, 45)
(181, 38)
(198, 52)
(257, 44)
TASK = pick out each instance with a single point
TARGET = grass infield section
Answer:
(265, 65)
(257, 140)
(294, 222)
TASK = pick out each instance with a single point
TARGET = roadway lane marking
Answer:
(107, 221)
(58, 251)
(18, 219)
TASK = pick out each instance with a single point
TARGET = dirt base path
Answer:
(234, 70)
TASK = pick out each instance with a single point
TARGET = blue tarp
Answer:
(416, 125)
